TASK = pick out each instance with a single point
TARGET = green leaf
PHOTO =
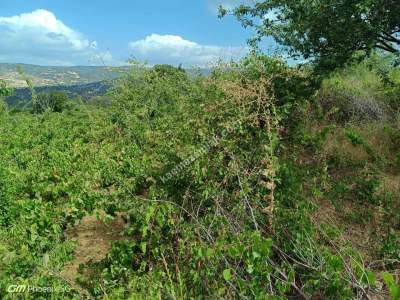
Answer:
(388, 278)
(143, 247)
(210, 252)
(393, 287)
(371, 278)
(227, 274)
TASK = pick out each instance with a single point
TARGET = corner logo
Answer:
(16, 288)
(22, 288)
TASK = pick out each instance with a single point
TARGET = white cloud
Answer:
(173, 49)
(39, 37)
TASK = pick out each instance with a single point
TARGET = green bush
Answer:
(168, 71)
(55, 101)
(4, 92)
(220, 213)
(214, 201)
(3, 107)
(366, 91)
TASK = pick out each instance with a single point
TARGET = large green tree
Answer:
(56, 101)
(327, 31)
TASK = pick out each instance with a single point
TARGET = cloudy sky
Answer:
(97, 32)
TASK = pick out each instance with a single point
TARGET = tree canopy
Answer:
(56, 101)
(327, 31)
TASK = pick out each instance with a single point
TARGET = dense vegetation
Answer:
(243, 184)
(259, 181)
(326, 31)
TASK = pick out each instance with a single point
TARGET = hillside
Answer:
(84, 81)
(65, 76)
(51, 76)
(243, 184)
(86, 91)
(273, 175)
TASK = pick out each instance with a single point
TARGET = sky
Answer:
(102, 32)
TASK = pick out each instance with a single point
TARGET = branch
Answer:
(388, 37)
(386, 46)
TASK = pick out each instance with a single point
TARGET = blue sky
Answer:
(96, 32)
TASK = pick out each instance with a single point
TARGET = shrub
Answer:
(346, 103)
(209, 144)
(4, 92)
(55, 101)
(210, 202)
(168, 70)
(361, 92)
(393, 89)
(3, 107)
(212, 210)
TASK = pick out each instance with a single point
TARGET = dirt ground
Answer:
(93, 238)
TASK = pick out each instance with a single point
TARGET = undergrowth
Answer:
(236, 185)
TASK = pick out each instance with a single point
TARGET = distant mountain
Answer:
(64, 76)
(86, 91)
(84, 81)
(52, 76)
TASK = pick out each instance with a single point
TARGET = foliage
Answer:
(365, 91)
(4, 92)
(55, 101)
(168, 70)
(3, 107)
(177, 116)
(393, 287)
(320, 29)
(29, 83)
(217, 180)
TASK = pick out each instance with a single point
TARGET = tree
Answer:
(165, 70)
(329, 32)
(4, 90)
(56, 101)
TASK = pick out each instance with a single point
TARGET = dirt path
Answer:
(93, 239)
